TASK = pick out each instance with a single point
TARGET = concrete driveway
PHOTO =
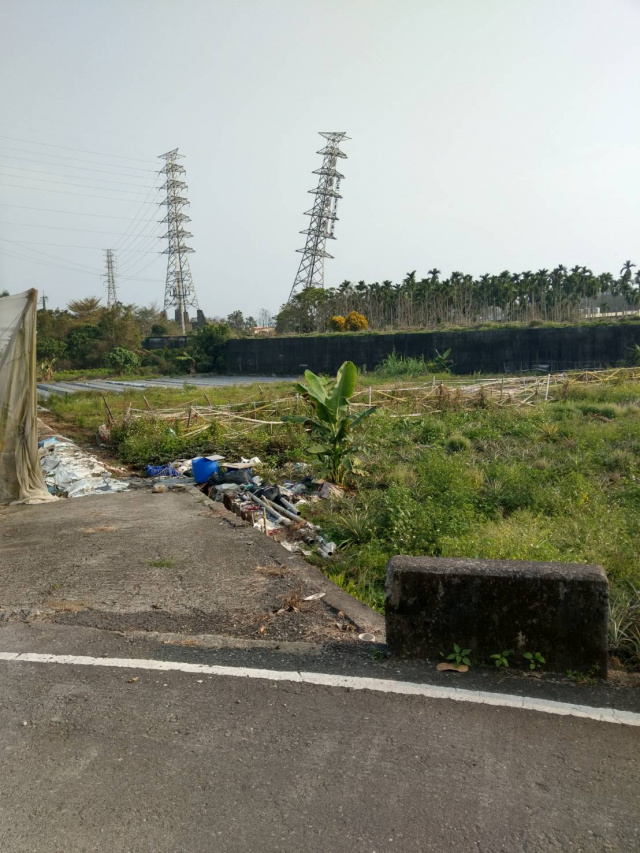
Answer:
(157, 695)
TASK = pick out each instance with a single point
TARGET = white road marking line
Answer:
(379, 685)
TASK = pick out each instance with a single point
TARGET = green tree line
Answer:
(86, 335)
(558, 295)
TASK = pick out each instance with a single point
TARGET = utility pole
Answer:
(179, 290)
(44, 301)
(110, 275)
(323, 215)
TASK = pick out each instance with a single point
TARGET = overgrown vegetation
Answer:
(332, 423)
(557, 481)
(396, 366)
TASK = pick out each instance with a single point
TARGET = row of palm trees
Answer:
(558, 295)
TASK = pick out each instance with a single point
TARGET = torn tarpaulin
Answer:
(70, 471)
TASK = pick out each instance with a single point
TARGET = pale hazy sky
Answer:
(486, 134)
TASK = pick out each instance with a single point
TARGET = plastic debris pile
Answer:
(73, 473)
(273, 509)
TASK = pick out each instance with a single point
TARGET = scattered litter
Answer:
(51, 440)
(162, 471)
(159, 488)
(315, 596)
(104, 434)
(204, 467)
(452, 667)
(367, 638)
(270, 571)
(134, 680)
(71, 472)
(329, 490)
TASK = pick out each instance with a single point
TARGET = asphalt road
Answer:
(186, 763)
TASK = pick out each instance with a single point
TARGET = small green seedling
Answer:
(501, 659)
(535, 659)
(161, 564)
(583, 677)
(460, 656)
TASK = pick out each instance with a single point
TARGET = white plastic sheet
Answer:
(21, 477)
(70, 471)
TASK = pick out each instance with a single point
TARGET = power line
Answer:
(79, 150)
(63, 228)
(134, 267)
(76, 160)
(45, 263)
(139, 238)
(66, 184)
(130, 229)
(77, 177)
(131, 278)
(64, 192)
(72, 212)
(152, 238)
(68, 166)
(48, 256)
(65, 245)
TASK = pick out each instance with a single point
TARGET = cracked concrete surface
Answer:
(171, 563)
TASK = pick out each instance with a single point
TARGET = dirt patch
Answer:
(314, 624)
(60, 606)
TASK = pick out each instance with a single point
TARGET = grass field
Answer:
(556, 481)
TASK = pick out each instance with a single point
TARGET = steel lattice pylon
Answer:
(110, 275)
(323, 215)
(179, 290)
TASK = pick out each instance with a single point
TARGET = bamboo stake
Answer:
(109, 412)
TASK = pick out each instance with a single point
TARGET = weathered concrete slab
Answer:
(557, 609)
(172, 562)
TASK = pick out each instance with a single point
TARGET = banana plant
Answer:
(331, 424)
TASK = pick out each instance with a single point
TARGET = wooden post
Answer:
(369, 394)
(546, 393)
(109, 412)
(297, 401)
(149, 406)
(207, 399)
(189, 418)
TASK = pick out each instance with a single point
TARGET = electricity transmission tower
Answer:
(323, 215)
(112, 293)
(179, 290)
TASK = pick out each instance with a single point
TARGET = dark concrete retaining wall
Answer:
(558, 609)
(489, 351)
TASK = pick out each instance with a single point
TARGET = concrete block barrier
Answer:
(489, 606)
